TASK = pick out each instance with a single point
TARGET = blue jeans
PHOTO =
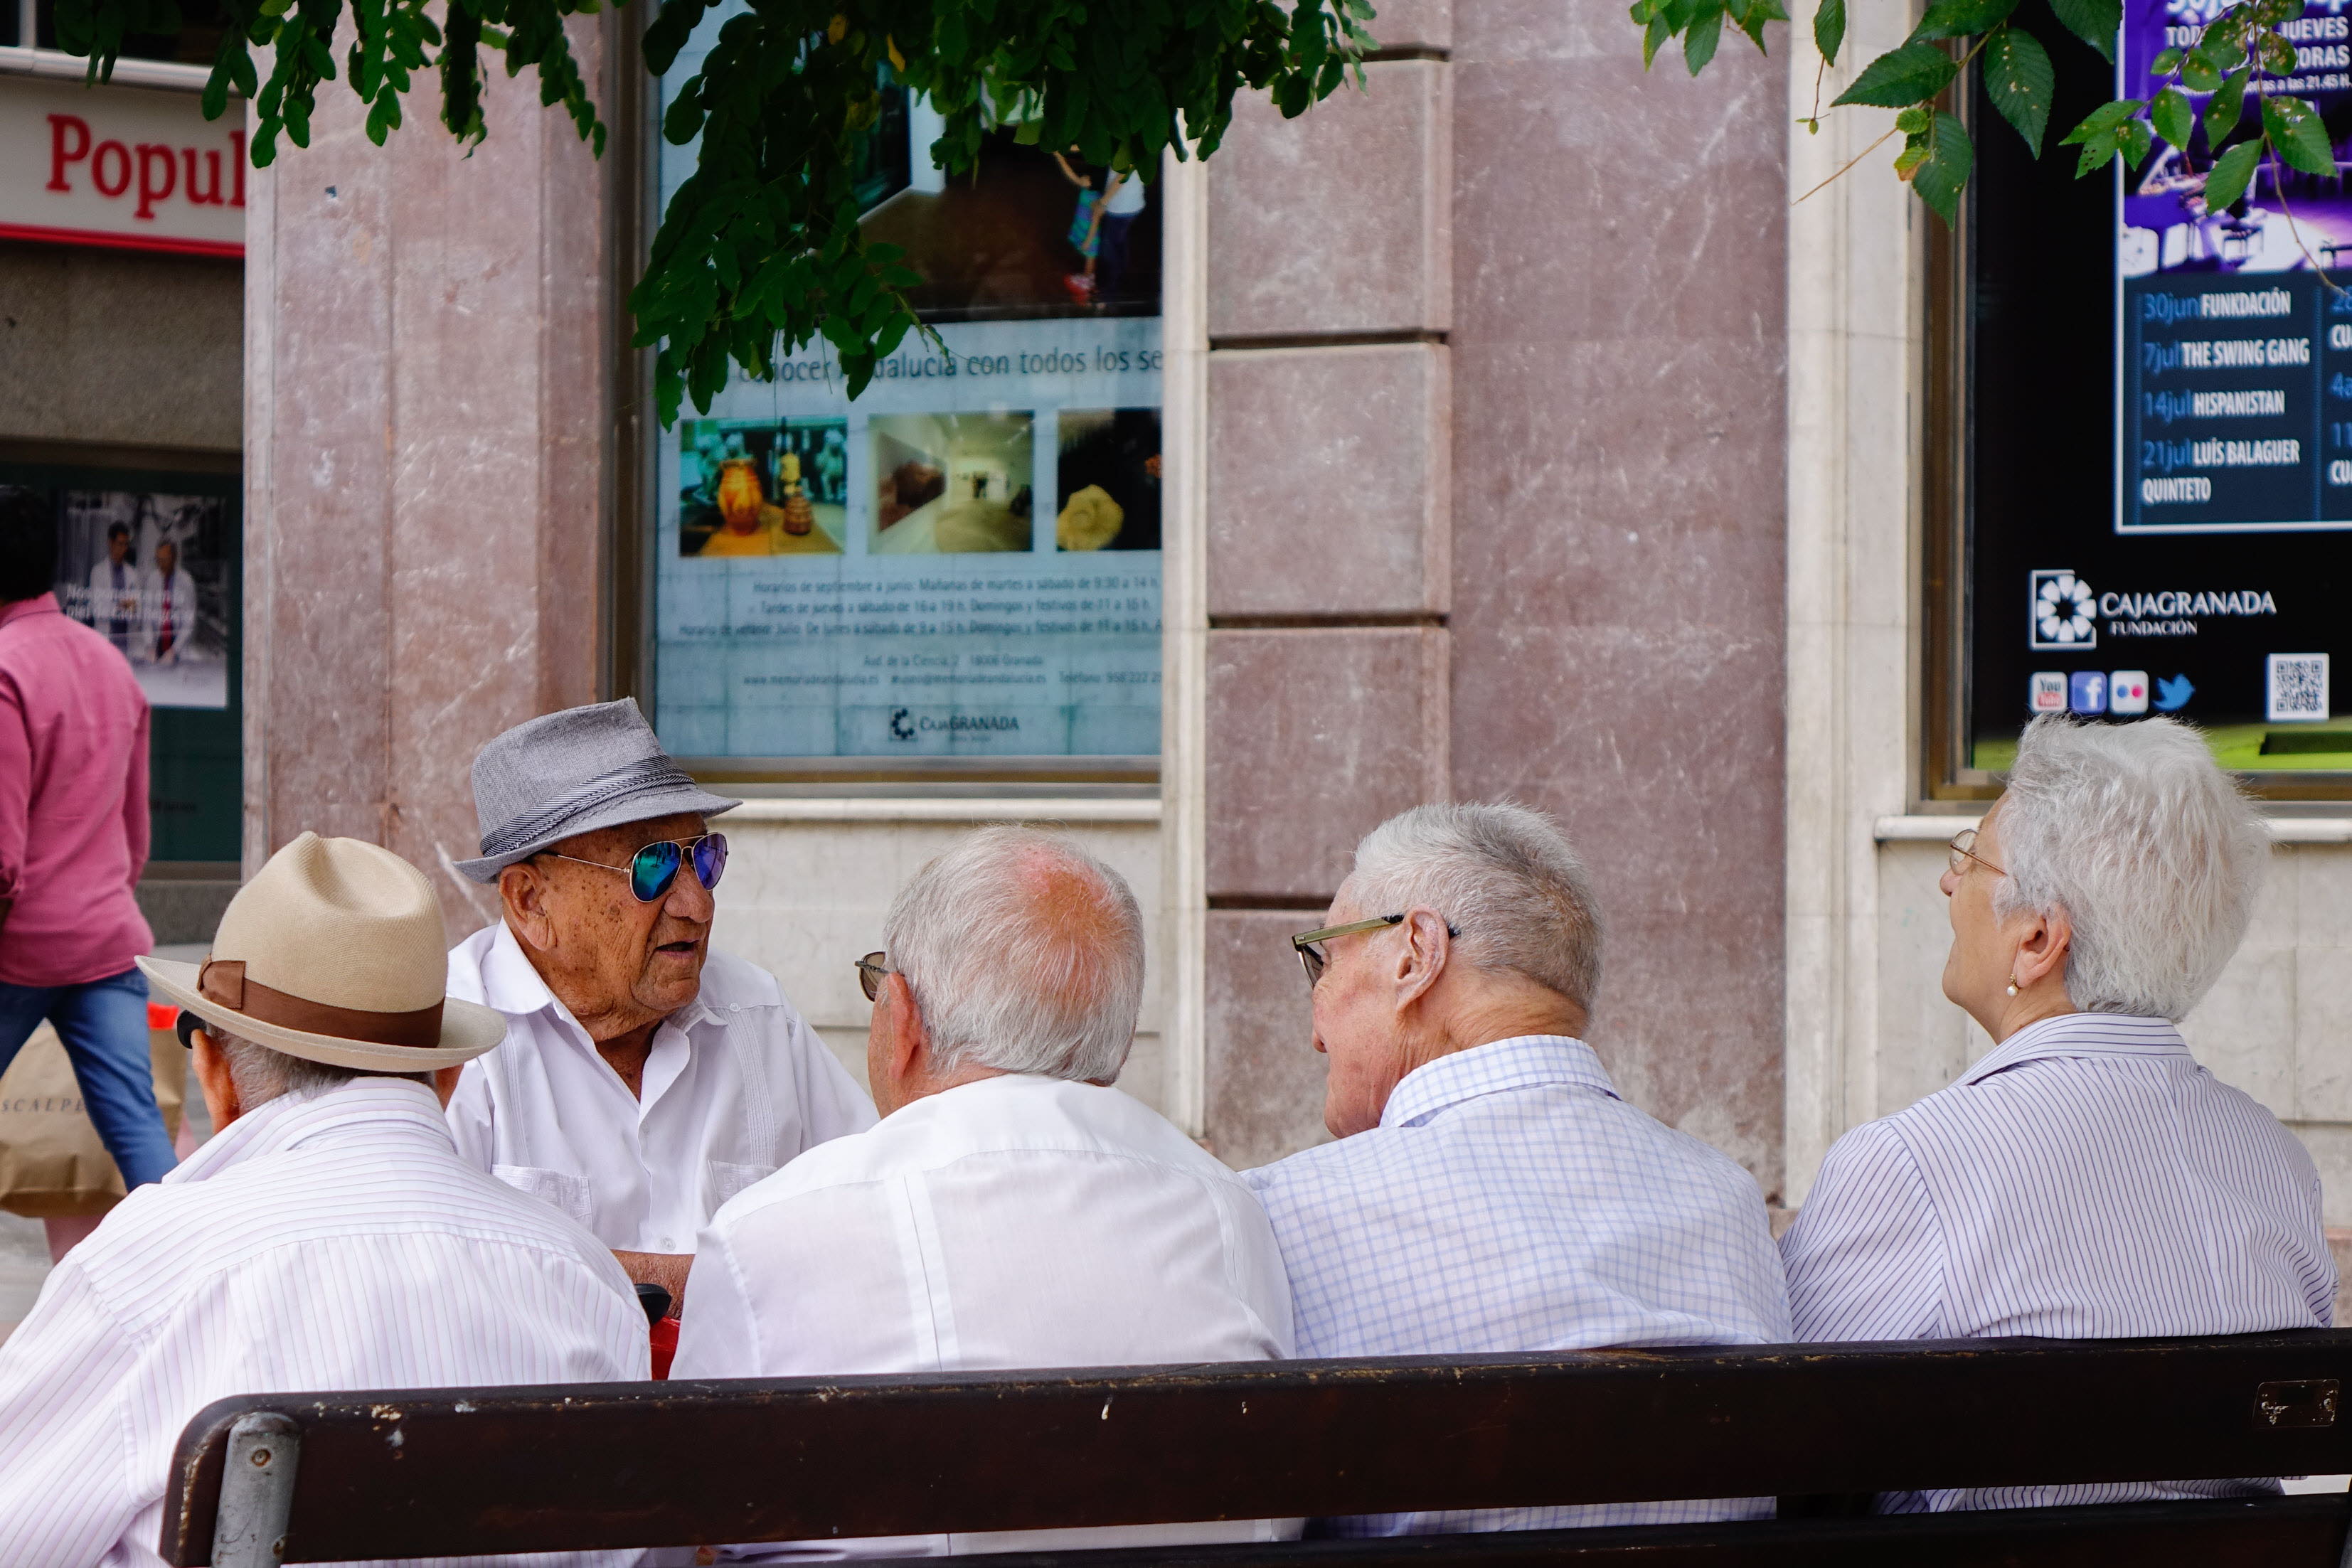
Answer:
(103, 1024)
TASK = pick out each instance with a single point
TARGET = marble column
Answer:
(431, 424)
(1330, 537)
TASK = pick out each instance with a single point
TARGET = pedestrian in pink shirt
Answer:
(73, 837)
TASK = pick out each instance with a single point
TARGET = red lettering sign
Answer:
(136, 169)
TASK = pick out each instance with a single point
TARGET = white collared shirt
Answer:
(333, 1242)
(736, 1084)
(1510, 1201)
(1018, 1221)
(2087, 1179)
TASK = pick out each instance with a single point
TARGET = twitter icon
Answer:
(2173, 695)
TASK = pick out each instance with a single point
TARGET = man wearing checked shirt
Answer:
(1489, 1191)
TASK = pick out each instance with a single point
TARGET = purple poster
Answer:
(2166, 226)
(2234, 357)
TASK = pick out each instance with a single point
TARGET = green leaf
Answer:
(2164, 64)
(2104, 119)
(2298, 134)
(1959, 19)
(2096, 22)
(2173, 119)
(1700, 38)
(2221, 112)
(2200, 74)
(2226, 181)
(1914, 122)
(1942, 174)
(2020, 82)
(1912, 74)
(1828, 28)
(2276, 54)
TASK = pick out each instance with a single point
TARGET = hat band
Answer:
(223, 981)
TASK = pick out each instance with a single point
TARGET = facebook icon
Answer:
(2086, 692)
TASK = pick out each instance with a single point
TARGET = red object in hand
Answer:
(162, 1016)
(665, 1346)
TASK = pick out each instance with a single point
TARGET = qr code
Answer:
(2297, 686)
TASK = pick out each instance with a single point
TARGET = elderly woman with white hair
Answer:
(2085, 1179)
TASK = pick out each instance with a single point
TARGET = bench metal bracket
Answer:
(257, 1494)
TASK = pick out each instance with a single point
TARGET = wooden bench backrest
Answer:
(423, 1473)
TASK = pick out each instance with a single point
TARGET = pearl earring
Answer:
(2012, 982)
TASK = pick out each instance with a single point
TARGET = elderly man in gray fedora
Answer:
(645, 1079)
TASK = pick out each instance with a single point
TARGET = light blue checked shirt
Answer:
(1510, 1201)
(2084, 1180)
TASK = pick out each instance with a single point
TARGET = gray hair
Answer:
(1026, 954)
(260, 1074)
(1504, 877)
(2152, 853)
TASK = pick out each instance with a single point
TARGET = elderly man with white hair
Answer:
(2085, 1179)
(1011, 1208)
(1490, 1192)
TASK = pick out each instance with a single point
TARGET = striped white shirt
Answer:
(333, 1241)
(2084, 1180)
(1510, 1201)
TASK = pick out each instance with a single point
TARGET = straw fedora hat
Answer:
(332, 952)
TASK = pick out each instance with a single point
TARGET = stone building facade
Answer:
(1525, 442)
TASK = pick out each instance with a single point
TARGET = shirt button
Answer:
(735, 1006)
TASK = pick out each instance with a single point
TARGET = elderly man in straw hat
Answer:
(645, 1079)
(329, 1237)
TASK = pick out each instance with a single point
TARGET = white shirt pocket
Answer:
(725, 1180)
(566, 1192)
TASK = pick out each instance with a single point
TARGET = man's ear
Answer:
(2047, 938)
(211, 1065)
(1424, 955)
(523, 892)
(910, 1040)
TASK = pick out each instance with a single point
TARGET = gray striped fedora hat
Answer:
(572, 772)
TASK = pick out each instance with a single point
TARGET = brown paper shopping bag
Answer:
(51, 1162)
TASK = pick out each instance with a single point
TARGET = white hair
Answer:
(260, 1074)
(1503, 877)
(1026, 954)
(2146, 846)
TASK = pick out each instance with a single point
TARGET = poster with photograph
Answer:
(150, 573)
(753, 487)
(979, 573)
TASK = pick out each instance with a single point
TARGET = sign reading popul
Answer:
(122, 167)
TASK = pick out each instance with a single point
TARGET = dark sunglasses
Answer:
(870, 970)
(651, 869)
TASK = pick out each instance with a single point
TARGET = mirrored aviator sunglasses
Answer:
(652, 868)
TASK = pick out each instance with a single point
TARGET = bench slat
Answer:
(2270, 1533)
(424, 1472)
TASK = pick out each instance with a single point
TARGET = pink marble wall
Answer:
(1618, 594)
(1594, 298)
(428, 409)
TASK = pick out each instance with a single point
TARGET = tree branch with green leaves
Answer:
(2242, 50)
(760, 251)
